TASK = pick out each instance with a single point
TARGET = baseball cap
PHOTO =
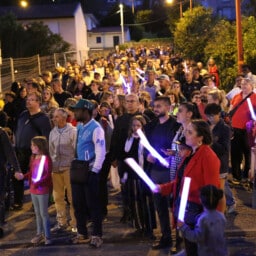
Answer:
(164, 77)
(83, 104)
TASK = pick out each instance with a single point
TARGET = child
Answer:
(209, 230)
(40, 186)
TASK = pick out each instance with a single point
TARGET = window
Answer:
(98, 40)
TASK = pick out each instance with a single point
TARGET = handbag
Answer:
(79, 171)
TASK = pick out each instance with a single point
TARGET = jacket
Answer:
(62, 144)
(203, 169)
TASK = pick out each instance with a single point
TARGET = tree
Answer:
(222, 47)
(193, 31)
(20, 40)
(249, 37)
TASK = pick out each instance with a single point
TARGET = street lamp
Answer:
(24, 4)
(240, 55)
(122, 21)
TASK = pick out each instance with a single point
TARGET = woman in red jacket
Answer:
(203, 167)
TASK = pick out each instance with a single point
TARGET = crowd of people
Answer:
(93, 112)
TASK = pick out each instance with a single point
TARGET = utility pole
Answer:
(240, 54)
(122, 21)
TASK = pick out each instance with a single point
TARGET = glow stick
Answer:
(184, 198)
(251, 109)
(111, 123)
(140, 71)
(127, 86)
(186, 67)
(142, 78)
(135, 166)
(153, 152)
(40, 169)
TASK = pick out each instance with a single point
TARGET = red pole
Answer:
(240, 54)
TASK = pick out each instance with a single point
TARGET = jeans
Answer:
(40, 203)
(229, 195)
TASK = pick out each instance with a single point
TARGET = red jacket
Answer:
(44, 185)
(203, 169)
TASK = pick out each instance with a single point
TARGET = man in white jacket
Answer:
(62, 143)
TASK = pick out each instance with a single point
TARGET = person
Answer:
(59, 94)
(90, 147)
(49, 104)
(221, 144)
(160, 133)
(203, 167)
(107, 125)
(31, 122)
(240, 144)
(210, 227)
(62, 143)
(119, 136)
(7, 155)
(214, 71)
(140, 202)
(40, 187)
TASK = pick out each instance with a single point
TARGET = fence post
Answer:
(39, 64)
(253, 173)
(12, 70)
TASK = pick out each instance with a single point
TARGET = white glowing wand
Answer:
(40, 169)
(126, 85)
(135, 166)
(184, 198)
(251, 109)
(153, 152)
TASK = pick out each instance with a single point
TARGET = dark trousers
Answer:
(2, 196)
(240, 148)
(162, 203)
(87, 204)
(103, 184)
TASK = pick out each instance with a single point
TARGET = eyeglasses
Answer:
(31, 99)
(130, 101)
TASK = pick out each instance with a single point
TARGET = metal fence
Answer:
(20, 68)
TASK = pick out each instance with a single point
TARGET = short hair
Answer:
(203, 129)
(165, 99)
(38, 96)
(63, 112)
(212, 109)
(210, 196)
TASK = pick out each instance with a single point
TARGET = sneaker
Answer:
(80, 239)
(96, 241)
(231, 208)
(58, 228)
(235, 181)
(74, 230)
(37, 239)
(47, 241)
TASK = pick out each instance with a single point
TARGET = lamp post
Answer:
(122, 21)
(240, 54)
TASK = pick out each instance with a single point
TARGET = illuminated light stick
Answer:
(186, 67)
(40, 169)
(142, 78)
(251, 109)
(135, 166)
(140, 71)
(111, 123)
(127, 86)
(153, 152)
(184, 198)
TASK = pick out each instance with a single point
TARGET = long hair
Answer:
(141, 119)
(42, 144)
